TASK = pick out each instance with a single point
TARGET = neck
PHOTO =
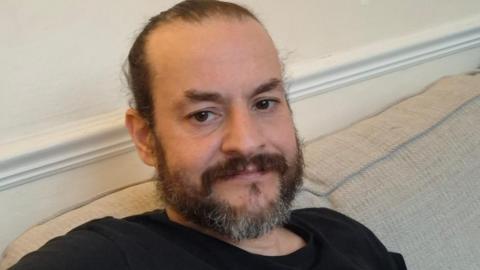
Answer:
(279, 241)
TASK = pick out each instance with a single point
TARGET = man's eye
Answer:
(264, 104)
(202, 116)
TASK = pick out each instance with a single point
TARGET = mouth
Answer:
(250, 173)
(243, 170)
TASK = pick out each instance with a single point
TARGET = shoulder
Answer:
(110, 227)
(97, 244)
(324, 217)
(78, 249)
(330, 223)
(341, 233)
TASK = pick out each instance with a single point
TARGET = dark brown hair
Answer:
(193, 11)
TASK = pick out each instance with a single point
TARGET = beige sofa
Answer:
(410, 173)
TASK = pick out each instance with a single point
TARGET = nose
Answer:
(242, 134)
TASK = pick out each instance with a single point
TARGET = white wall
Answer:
(62, 96)
(61, 58)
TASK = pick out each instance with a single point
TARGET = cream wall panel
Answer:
(61, 58)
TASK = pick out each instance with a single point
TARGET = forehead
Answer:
(223, 54)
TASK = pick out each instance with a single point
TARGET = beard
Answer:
(200, 206)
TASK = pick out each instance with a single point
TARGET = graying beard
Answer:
(238, 227)
(220, 217)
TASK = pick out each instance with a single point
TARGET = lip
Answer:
(248, 176)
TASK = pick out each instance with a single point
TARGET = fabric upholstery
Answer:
(121, 203)
(412, 174)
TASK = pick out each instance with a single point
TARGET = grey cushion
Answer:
(412, 174)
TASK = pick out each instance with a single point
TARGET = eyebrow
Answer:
(268, 86)
(198, 95)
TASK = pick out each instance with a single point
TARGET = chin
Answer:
(251, 199)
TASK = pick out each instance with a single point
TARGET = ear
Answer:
(141, 136)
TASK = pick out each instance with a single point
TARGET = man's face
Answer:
(225, 140)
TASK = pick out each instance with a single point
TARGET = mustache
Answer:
(222, 171)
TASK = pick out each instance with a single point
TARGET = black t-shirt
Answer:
(152, 241)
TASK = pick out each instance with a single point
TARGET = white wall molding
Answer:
(32, 158)
(343, 69)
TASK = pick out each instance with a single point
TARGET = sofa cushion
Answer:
(128, 201)
(412, 174)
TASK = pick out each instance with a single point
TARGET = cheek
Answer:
(189, 156)
(281, 133)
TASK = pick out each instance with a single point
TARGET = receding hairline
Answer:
(212, 18)
(179, 22)
(223, 10)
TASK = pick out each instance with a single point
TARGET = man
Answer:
(211, 114)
